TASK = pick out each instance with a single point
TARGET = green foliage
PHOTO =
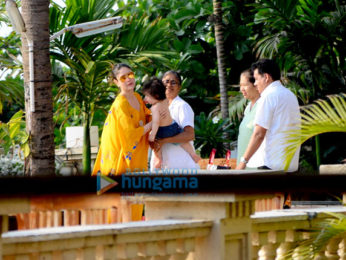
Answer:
(331, 228)
(192, 36)
(317, 118)
(85, 90)
(11, 85)
(143, 44)
(10, 63)
(209, 135)
(13, 133)
(85, 86)
(306, 38)
(11, 91)
(237, 104)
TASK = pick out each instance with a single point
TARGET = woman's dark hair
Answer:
(155, 88)
(267, 66)
(249, 75)
(116, 68)
(176, 74)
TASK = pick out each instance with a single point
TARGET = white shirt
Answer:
(278, 112)
(173, 155)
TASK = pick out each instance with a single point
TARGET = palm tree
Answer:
(219, 39)
(39, 123)
(85, 88)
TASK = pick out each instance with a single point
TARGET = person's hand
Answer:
(241, 166)
(152, 144)
(157, 145)
(163, 114)
(151, 138)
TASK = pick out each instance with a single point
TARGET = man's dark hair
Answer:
(267, 66)
(155, 88)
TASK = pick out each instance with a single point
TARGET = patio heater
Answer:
(80, 30)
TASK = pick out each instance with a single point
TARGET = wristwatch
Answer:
(242, 160)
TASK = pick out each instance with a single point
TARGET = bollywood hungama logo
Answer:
(160, 180)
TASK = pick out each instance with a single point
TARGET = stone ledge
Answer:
(54, 233)
(333, 169)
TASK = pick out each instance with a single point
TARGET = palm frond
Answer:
(11, 90)
(268, 46)
(330, 228)
(237, 104)
(318, 118)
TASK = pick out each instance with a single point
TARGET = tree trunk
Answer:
(86, 145)
(217, 5)
(39, 123)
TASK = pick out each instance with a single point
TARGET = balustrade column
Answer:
(255, 245)
(298, 251)
(270, 245)
(267, 252)
(342, 249)
(288, 245)
(321, 256)
(332, 249)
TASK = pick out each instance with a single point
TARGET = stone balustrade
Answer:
(162, 239)
(276, 233)
(230, 229)
(191, 226)
(231, 232)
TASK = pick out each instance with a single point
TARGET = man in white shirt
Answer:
(173, 155)
(277, 114)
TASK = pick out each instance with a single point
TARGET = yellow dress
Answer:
(123, 147)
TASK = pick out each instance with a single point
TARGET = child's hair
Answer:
(155, 88)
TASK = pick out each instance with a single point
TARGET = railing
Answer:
(210, 226)
(271, 234)
(161, 239)
(276, 233)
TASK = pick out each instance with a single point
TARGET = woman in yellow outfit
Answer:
(124, 142)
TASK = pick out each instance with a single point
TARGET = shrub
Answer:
(11, 165)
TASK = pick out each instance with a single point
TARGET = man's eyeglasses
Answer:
(173, 82)
(129, 75)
